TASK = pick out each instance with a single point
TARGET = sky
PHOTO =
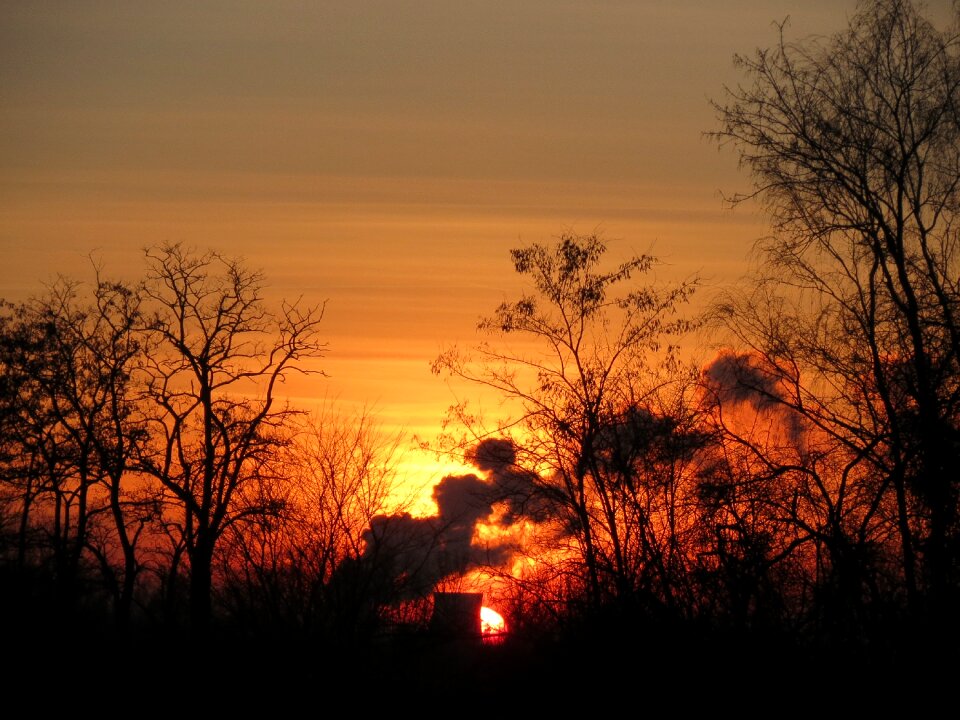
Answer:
(381, 156)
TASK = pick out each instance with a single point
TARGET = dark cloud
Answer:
(416, 553)
(493, 454)
(510, 484)
(462, 501)
(744, 378)
(400, 551)
(741, 378)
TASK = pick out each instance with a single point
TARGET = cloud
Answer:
(746, 378)
(741, 378)
(493, 454)
(462, 500)
(510, 484)
(415, 553)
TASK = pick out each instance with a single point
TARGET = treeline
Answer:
(800, 482)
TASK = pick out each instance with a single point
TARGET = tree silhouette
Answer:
(284, 572)
(71, 431)
(853, 143)
(588, 394)
(216, 355)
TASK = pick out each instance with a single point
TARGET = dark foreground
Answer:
(159, 673)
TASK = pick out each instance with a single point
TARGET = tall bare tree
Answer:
(587, 383)
(853, 142)
(72, 429)
(216, 357)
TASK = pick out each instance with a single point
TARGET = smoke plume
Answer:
(745, 378)
(415, 553)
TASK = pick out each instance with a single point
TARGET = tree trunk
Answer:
(201, 583)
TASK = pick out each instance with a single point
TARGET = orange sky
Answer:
(383, 156)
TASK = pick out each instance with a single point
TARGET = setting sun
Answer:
(491, 622)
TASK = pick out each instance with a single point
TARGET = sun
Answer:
(491, 622)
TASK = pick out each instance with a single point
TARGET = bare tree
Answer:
(588, 383)
(71, 430)
(215, 360)
(853, 143)
(113, 344)
(285, 569)
(785, 512)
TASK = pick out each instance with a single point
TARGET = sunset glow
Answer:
(342, 152)
(491, 622)
(474, 345)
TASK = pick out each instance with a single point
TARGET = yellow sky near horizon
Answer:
(380, 156)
